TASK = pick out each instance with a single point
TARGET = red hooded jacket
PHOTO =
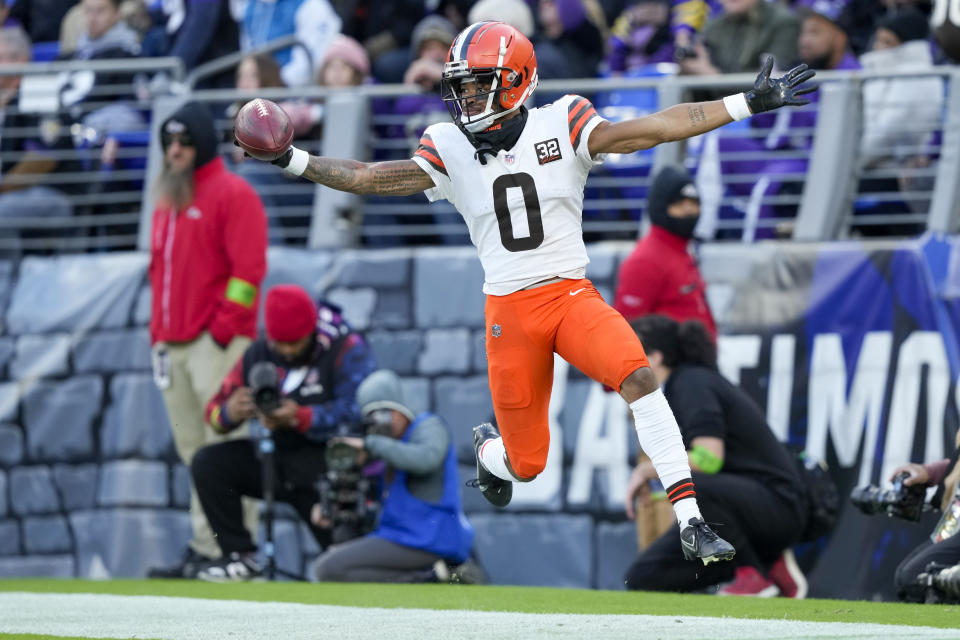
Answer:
(660, 276)
(208, 260)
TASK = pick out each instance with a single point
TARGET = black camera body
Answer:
(347, 497)
(899, 502)
(265, 386)
(938, 584)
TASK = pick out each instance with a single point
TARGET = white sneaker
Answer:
(237, 567)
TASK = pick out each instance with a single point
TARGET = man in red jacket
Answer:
(660, 275)
(207, 258)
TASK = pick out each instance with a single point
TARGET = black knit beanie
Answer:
(671, 184)
(908, 24)
(196, 119)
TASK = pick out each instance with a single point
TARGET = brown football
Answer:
(263, 129)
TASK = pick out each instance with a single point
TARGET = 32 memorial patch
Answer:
(547, 151)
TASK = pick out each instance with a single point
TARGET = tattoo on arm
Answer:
(696, 114)
(393, 178)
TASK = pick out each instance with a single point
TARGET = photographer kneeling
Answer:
(301, 383)
(746, 480)
(421, 520)
(916, 580)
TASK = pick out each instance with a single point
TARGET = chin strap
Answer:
(482, 149)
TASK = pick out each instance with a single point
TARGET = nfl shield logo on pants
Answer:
(495, 331)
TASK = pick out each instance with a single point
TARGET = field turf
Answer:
(511, 599)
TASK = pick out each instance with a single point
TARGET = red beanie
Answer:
(290, 313)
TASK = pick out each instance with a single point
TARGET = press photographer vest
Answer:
(316, 387)
(440, 528)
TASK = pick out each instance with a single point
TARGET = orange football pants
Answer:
(523, 330)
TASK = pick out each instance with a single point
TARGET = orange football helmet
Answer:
(490, 71)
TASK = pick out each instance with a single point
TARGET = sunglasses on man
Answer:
(183, 139)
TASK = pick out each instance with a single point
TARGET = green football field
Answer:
(39, 608)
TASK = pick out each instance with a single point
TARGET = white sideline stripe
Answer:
(111, 616)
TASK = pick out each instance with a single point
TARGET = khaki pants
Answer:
(194, 373)
(653, 521)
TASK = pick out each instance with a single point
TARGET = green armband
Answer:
(241, 292)
(706, 460)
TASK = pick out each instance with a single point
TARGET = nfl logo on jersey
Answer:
(495, 331)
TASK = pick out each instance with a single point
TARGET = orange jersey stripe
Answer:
(431, 157)
(675, 489)
(576, 108)
(579, 112)
(578, 125)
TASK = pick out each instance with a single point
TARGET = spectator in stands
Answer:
(313, 22)
(199, 31)
(93, 27)
(344, 64)
(207, 259)
(301, 336)
(747, 481)
(660, 276)
(687, 20)
(430, 44)
(861, 18)
(29, 143)
(422, 524)
(570, 40)
(105, 34)
(823, 43)
(900, 44)
(901, 117)
(516, 13)
(640, 36)
(456, 11)
(40, 18)
(943, 546)
(736, 40)
(384, 29)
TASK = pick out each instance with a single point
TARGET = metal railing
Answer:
(73, 154)
(790, 174)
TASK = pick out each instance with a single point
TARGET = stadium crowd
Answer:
(357, 42)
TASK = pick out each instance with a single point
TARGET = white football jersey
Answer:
(524, 207)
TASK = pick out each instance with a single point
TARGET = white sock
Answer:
(660, 439)
(494, 458)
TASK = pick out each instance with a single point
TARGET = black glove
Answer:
(284, 160)
(768, 94)
(281, 161)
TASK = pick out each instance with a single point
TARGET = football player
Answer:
(517, 175)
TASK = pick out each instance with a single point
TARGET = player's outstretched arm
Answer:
(687, 120)
(391, 178)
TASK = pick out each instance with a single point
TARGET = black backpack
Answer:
(823, 498)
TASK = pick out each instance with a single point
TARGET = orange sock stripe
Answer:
(688, 494)
(678, 488)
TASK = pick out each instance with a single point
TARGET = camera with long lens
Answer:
(900, 501)
(348, 498)
(938, 584)
(265, 386)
